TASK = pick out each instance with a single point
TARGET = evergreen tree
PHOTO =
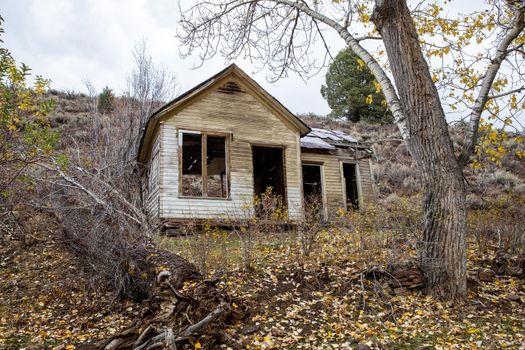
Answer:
(106, 101)
(352, 91)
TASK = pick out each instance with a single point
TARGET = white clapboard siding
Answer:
(249, 123)
(152, 193)
(333, 182)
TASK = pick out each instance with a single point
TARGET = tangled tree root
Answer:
(173, 320)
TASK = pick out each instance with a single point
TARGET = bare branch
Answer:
(515, 91)
(367, 37)
(270, 33)
(483, 95)
(77, 185)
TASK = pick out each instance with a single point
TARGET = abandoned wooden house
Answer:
(205, 155)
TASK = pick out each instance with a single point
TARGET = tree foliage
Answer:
(352, 91)
(106, 101)
(25, 135)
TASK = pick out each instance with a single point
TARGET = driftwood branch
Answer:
(167, 339)
(197, 326)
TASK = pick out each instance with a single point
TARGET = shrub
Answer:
(390, 230)
(397, 173)
(308, 230)
(505, 178)
(411, 184)
(474, 201)
(499, 225)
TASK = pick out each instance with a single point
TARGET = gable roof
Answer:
(216, 80)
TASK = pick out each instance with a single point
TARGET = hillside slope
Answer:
(358, 286)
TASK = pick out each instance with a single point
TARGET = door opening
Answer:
(350, 180)
(268, 171)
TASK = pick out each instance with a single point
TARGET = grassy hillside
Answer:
(353, 284)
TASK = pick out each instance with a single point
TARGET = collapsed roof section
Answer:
(330, 140)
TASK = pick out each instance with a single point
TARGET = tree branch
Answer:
(486, 84)
(515, 91)
(361, 38)
(383, 80)
(77, 185)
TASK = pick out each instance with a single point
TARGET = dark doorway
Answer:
(350, 176)
(268, 170)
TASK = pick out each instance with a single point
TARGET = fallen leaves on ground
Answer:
(324, 302)
(44, 300)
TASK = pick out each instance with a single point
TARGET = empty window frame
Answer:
(312, 187)
(216, 184)
(268, 171)
(204, 170)
(313, 192)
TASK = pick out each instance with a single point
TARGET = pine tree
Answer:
(352, 91)
(106, 101)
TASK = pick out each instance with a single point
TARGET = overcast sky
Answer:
(68, 41)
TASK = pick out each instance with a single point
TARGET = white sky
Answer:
(68, 41)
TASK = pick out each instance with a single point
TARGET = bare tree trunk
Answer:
(443, 246)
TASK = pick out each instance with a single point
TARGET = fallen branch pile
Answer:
(397, 280)
(178, 320)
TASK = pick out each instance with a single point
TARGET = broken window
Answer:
(312, 192)
(204, 179)
(312, 181)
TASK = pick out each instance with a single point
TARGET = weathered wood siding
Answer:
(367, 184)
(333, 179)
(151, 184)
(249, 123)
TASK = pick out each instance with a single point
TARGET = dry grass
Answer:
(330, 300)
